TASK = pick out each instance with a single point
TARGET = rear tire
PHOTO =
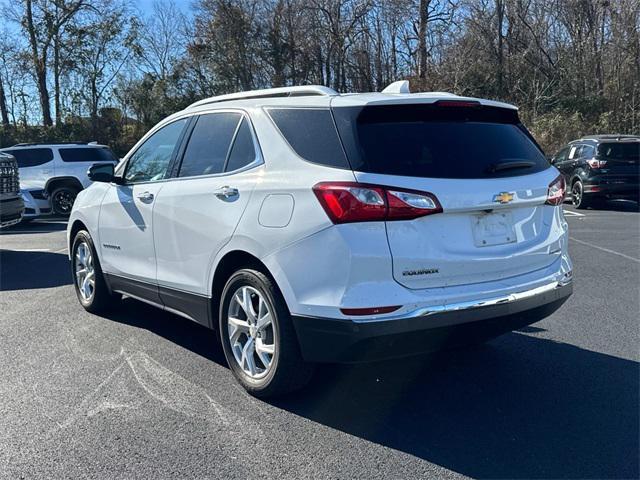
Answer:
(88, 280)
(578, 197)
(62, 199)
(266, 327)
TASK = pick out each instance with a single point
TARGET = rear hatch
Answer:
(619, 162)
(487, 173)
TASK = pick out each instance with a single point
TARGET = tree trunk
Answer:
(40, 64)
(422, 43)
(500, 22)
(56, 78)
(3, 106)
(94, 108)
(378, 63)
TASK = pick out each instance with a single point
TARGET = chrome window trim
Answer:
(259, 160)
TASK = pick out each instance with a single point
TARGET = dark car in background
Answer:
(600, 167)
(11, 204)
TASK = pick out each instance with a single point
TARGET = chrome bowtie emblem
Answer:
(503, 197)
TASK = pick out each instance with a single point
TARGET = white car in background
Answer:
(51, 175)
(306, 226)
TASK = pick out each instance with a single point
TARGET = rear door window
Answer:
(588, 151)
(32, 157)
(209, 144)
(88, 154)
(312, 134)
(438, 142)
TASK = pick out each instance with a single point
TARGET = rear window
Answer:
(438, 142)
(32, 157)
(619, 151)
(209, 144)
(87, 154)
(312, 134)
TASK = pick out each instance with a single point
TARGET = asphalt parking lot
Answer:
(145, 394)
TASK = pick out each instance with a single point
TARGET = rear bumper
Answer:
(343, 340)
(11, 211)
(617, 190)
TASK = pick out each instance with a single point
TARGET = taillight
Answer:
(347, 202)
(593, 163)
(556, 191)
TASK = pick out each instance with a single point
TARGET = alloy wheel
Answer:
(251, 332)
(63, 201)
(576, 194)
(85, 271)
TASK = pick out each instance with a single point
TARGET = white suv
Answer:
(51, 175)
(307, 226)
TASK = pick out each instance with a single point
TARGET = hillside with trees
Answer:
(105, 70)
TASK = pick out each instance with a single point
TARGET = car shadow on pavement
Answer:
(617, 206)
(519, 407)
(35, 227)
(180, 331)
(20, 270)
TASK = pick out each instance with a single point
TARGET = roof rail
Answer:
(615, 136)
(32, 144)
(301, 91)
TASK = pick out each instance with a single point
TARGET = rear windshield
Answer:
(90, 154)
(32, 157)
(438, 142)
(619, 151)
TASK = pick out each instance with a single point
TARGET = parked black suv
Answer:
(600, 167)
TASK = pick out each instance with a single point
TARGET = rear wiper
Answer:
(498, 167)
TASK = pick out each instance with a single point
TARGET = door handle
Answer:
(146, 197)
(225, 192)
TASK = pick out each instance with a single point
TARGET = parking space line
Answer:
(18, 232)
(30, 249)
(571, 213)
(605, 249)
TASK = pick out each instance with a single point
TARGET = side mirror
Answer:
(101, 172)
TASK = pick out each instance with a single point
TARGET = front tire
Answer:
(62, 199)
(88, 279)
(258, 337)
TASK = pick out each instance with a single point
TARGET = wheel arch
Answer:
(56, 182)
(229, 263)
(236, 259)
(75, 227)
